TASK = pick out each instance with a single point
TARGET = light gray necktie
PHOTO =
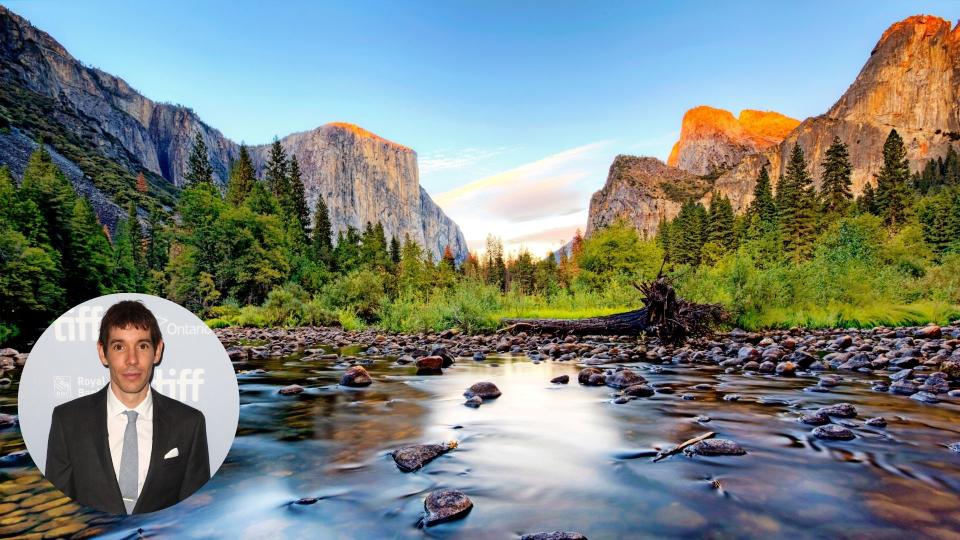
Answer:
(129, 463)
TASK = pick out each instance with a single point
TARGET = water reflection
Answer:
(543, 457)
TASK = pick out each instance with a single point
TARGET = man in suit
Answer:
(127, 449)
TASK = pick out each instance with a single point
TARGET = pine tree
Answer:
(394, 250)
(90, 254)
(156, 255)
(763, 204)
(796, 207)
(835, 186)
(689, 233)
(123, 268)
(136, 238)
(721, 223)
(892, 196)
(322, 240)
(298, 200)
(867, 202)
(276, 173)
(199, 170)
(242, 178)
(951, 168)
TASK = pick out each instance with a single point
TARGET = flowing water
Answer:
(544, 457)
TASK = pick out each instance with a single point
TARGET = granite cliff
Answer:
(362, 177)
(910, 82)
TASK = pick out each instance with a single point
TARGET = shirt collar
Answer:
(115, 407)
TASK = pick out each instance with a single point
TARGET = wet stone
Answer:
(841, 410)
(405, 359)
(623, 399)
(638, 390)
(624, 378)
(876, 422)
(411, 458)
(590, 376)
(7, 420)
(832, 432)
(815, 419)
(702, 419)
(475, 402)
(554, 535)
(485, 389)
(430, 365)
(356, 376)
(904, 388)
(731, 397)
(291, 390)
(446, 505)
(955, 447)
(925, 397)
(15, 459)
(306, 500)
(562, 379)
(715, 447)
(479, 356)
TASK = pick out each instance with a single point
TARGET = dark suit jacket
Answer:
(79, 462)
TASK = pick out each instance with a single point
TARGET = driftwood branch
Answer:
(663, 315)
(676, 449)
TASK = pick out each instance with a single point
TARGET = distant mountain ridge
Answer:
(362, 177)
(910, 82)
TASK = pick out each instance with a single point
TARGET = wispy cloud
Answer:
(447, 160)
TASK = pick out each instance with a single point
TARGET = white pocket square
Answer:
(172, 454)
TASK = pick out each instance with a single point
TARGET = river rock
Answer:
(638, 390)
(554, 535)
(929, 332)
(405, 359)
(475, 402)
(955, 447)
(877, 422)
(832, 432)
(411, 458)
(584, 377)
(951, 368)
(904, 388)
(901, 375)
(786, 369)
(624, 378)
(356, 376)
(815, 419)
(715, 447)
(15, 459)
(446, 505)
(291, 390)
(842, 410)
(766, 367)
(430, 365)
(479, 356)
(485, 389)
(7, 420)
(442, 352)
(925, 397)
(562, 379)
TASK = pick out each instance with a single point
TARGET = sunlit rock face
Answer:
(910, 82)
(713, 139)
(361, 176)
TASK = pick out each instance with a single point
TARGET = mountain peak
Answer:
(712, 138)
(922, 26)
(363, 133)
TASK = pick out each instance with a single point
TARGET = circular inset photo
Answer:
(128, 404)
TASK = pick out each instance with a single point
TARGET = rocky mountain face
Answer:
(364, 177)
(910, 82)
(376, 179)
(713, 140)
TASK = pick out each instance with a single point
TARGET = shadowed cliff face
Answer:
(910, 82)
(362, 176)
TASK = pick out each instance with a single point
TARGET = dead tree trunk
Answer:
(663, 315)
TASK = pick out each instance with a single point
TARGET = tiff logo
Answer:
(79, 324)
(182, 386)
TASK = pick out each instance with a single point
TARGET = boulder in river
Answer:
(291, 390)
(840, 410)
(475, 402)
(485, 389)
(587, 373)
(877, 422)
(446, 505)
(442, 352)
(411, 458)
(430, 365)
(562, 379)
(815, 419)
(832, 432)
(554, 535)
(638, 390)
(715, 447)
(925, 397)
(356, 376)
(7, 420)
(624, 378)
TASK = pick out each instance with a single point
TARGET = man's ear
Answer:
(102, 354)
(158, 355)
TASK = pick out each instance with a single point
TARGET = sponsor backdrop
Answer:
(64, 365)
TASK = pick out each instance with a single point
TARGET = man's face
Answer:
(130, 355)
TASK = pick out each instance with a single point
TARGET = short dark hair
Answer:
(129, 313)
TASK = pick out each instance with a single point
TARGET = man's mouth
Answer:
(131, 376)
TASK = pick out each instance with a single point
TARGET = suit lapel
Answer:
(161, 428)
(101, 436)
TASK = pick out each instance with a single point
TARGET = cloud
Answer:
(446, 160)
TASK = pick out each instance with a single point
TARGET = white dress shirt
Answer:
(117, 424)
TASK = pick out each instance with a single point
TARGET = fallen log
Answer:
(676, 449)
(663, 315)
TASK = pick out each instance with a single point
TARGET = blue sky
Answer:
(515, 111)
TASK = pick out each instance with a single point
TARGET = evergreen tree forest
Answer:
(254, 253)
